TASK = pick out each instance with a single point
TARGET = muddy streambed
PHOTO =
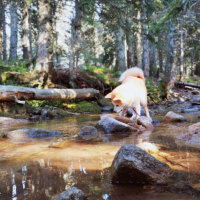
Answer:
(40, 168)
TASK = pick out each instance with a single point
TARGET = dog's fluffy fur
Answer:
(130, 94)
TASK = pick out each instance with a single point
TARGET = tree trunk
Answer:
(181, 51)
(121, 58)
(139, 41)
(14, 93)
(145, 43)
(13, 30)
(4, 33)
(75, 36)
(170, 68)
(25, 31)
(1, 29)
(44, 60)
(160, 54)
(153, 60)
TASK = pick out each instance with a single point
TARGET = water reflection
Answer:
(44, 167)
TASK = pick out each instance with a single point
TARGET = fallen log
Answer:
(15, 93)
(182, 84)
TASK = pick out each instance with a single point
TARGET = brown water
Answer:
(40, 168)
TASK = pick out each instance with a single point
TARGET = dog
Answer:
(131, 94)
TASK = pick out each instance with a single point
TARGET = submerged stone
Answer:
(132, 165)
(7, 121)
(72, 193)
(31, 133)
(88, 133)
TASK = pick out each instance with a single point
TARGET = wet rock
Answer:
(145, 121)
(173, 117)
(31, 133)
(72, 193)
(192, 136)
(195, 92)
(88, 133)
(195, 100)
(111, 125)
(7, 121)
(132, 165)
(107, 109)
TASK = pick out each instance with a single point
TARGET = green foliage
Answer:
(192, 79)
(155, 91)
(104, 73)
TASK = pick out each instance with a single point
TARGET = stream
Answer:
(40, 168)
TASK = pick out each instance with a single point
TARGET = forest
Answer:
(62, 133)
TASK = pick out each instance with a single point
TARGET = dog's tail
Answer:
(134, 72)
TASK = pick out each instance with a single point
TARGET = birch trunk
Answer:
(160, 54)
(170, 68)
(13, 30)
(121, 58)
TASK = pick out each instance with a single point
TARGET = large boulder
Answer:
(173, 117)
(31, 133)
(72, 193)
(132, 165)
(88, 133)
(111, 125)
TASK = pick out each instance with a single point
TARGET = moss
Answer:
(83, 107)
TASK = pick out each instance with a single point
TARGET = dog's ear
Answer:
(109, 96)
(117, 100)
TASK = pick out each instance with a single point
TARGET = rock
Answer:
(72, 193)
(107, 109)
(88, 133)
(111, 125)
(195, 92)
(173, 117)
(31, 133)
(132, 165)
(7, 121)
(145, 121)
(192, 136)
(195, 100)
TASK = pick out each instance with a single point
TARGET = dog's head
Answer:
(116, 101)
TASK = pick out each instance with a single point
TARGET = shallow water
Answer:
(41, 168)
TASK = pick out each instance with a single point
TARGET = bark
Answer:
(121, 58)
(170, 69)
(13, 30)
(1, 29)
(14, 93)
(139, 41)
(4, 33)
(153, 60)
(181, 51)
(44, 60)
(145, 44)
(25, 31)
(160, 54)
(75, 36)
(181, 84)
